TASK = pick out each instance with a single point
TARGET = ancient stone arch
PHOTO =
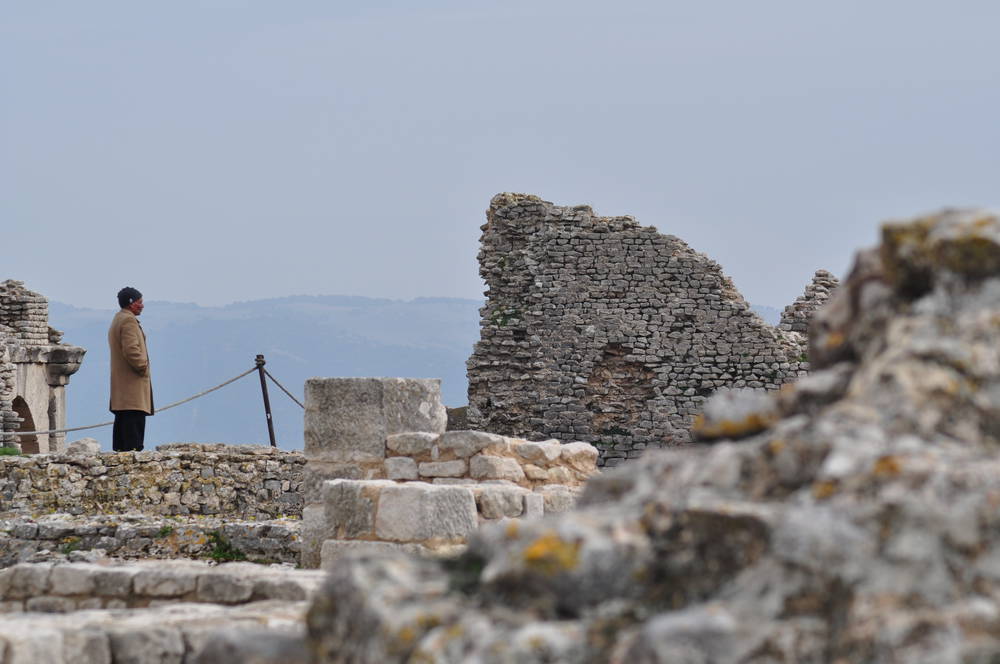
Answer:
(29, 444)
(35, 367)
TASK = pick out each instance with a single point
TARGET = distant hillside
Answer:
(193, 348)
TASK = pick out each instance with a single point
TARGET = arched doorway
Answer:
(29, 444)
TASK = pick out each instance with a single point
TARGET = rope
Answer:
(275, 381)
(104, 424)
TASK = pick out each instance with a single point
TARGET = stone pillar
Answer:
(346, 424)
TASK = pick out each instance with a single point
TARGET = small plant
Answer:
(165, 531)
(70, 544)
(222, 549)
(616, 431)
(9, 451)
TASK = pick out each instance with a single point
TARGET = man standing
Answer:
(131, 388)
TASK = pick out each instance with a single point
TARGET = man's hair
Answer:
(127, 296)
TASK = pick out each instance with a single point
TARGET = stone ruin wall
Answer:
(601, 330)
(240, 482)
(35, 367)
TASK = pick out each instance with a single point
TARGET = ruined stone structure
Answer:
(602, 330)
(35, 367)
(383, 474)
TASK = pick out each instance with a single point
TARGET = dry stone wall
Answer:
(59, 537)
(601, 330)
(179, 479)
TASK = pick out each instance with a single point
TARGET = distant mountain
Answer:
(193, 348)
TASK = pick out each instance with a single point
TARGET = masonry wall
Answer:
(601, 330)
(235, 481)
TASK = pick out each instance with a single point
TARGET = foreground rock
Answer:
(861, 525)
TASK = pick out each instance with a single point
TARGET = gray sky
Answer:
(218, 151)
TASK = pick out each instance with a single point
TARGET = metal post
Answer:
(267, 402)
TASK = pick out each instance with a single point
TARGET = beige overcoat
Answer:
(131, 387)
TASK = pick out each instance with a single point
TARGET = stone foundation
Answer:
(239, 481)
(134, 536)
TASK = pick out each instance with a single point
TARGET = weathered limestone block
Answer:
(415, 511)
(541, 453)
(348, 419)
(464, 444)
(401, 468)
(497, 502)
(482, 467)
(411, 443)
(84, 447)
(454, 468)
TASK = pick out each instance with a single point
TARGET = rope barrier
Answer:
(167, 407)
(275, 381)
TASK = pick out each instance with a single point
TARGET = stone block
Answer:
(401, 468)
(164, 583)
(580, 456)
(83, 447)
(253, 646)
(344, 419)
(414, 404)
(31, 646)
(411, 443)
(313, 532)
(464, 444)
(483, 467)
(349, 508)
(558, 498)
(455, 468)
(348, 419)
(497, 502)
(222, 588)
(114, 582)
(72, 580)
(534, 506)
(49, 604)
(317, 472)
(27, 580)
(418, 511)
(540, 453)
(89, 645)
(534, 473)
(149, 643)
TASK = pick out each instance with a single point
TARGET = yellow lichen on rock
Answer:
(550, 554)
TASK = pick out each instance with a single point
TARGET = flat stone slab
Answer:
(67, 587)
(169, 634)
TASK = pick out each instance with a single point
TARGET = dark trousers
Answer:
(130, 429)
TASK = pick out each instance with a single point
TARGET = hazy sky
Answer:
(217, 151)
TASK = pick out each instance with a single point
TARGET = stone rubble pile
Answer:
(240, 481)
(601, 330)
(383, 473)
(861, 525)
(140, 536)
